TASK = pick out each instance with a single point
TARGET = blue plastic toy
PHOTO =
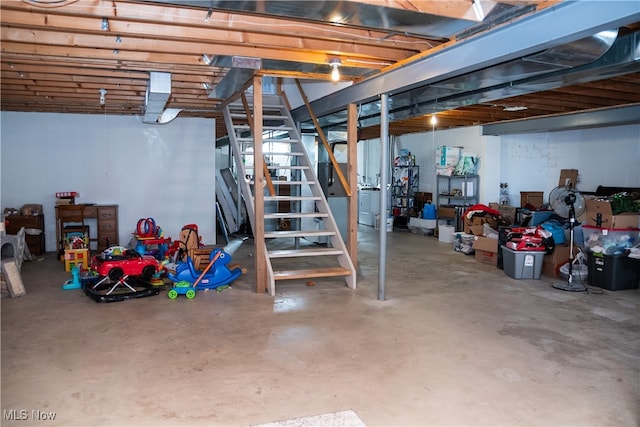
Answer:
(216, 274)
(74, 283)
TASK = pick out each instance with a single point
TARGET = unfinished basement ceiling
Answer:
(61, 55)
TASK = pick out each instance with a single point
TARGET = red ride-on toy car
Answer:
(117, 262)
(124, 274)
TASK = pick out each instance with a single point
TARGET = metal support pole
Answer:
(384, 167)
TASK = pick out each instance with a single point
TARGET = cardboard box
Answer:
(477, 230)
(533, 198)
(569, 177)
(446, 212)
(486, 257)
(508, 213)
(486, 244)
(476, 221)
(552, 262)
(600, 211)
(448, 156)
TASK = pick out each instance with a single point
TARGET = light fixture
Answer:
(434, 120)
(207, 59)
(103, 96)
(477, 9)
(335, 71)
(105, 24)
(515, 108)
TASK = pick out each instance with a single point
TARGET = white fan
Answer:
(567, 202)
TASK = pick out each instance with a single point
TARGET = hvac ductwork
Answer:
(157, 96)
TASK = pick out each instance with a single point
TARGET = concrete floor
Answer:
(456, 343)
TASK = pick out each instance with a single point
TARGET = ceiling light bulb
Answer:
(103, 94)
(434, 119)
(335, 72)
(477, 9)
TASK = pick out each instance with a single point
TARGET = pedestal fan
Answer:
(567, 202)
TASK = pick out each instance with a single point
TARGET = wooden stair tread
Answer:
(282, 182)
(310, 273)
(298, 233)
(276, 128)
(290, 198)
(283, 215)
(278, 153)
(293, 253)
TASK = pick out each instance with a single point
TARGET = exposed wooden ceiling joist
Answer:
(57, 55)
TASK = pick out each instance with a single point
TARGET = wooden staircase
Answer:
(295, 230)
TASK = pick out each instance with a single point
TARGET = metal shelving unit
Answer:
(403, 192)
(453, 194)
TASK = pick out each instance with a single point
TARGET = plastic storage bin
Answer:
(613, 272)
(445, 233)
(610, 241)
(531, 218)
(522, 264)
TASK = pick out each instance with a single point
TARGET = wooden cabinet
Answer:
(103, 217)
(34, 241)
(107, 226)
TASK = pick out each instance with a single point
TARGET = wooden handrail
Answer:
(323, 138)
(267, 176)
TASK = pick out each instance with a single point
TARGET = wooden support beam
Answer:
(267, 176)
(258, 176)
(323, 138)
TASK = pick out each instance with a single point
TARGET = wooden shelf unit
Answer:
(36, 243)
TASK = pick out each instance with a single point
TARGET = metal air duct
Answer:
(158, 93)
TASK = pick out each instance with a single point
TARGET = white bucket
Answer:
(445, 233)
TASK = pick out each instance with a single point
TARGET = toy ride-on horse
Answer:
(216, 274)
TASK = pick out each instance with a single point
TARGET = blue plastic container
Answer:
(429, 211)
(556, 230)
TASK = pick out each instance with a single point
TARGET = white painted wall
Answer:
(532, 162)
(161, 171)
(167, 171)
(605, 156)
